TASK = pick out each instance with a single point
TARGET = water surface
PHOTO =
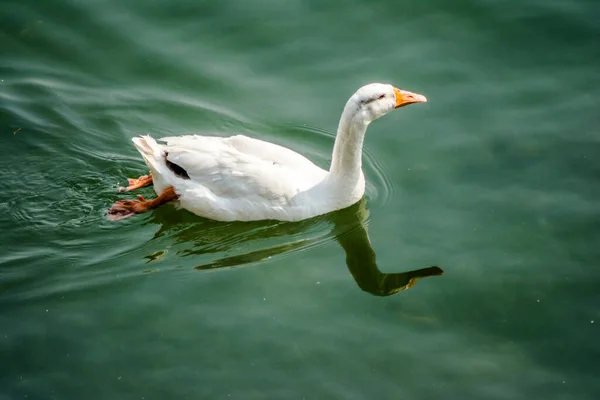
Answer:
(495, 179)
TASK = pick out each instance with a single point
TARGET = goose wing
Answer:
(241, 167)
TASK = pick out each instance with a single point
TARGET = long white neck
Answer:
(346, 161)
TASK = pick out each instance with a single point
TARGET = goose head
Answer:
(373, 101)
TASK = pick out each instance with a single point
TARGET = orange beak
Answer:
(404, 98)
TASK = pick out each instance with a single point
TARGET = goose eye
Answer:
(381, 97)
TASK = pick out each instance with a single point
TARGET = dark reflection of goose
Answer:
(349, 230)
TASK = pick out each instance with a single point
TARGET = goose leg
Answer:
(144, 180)
(126, 208)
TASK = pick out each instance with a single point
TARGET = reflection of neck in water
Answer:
(348, 229)
(360, 259)
(360, 256)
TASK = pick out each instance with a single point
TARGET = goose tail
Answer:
(151, 151)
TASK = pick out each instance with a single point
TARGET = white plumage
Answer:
(244, 179)
(234, 178)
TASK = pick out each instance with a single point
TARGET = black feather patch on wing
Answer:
(177, 170)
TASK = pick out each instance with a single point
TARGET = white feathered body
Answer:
(245, 179)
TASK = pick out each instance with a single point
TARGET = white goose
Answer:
(243, 179)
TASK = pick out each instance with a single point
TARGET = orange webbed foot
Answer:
(144, 180)
(126, 208)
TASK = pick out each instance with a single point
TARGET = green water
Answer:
(495, 180)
